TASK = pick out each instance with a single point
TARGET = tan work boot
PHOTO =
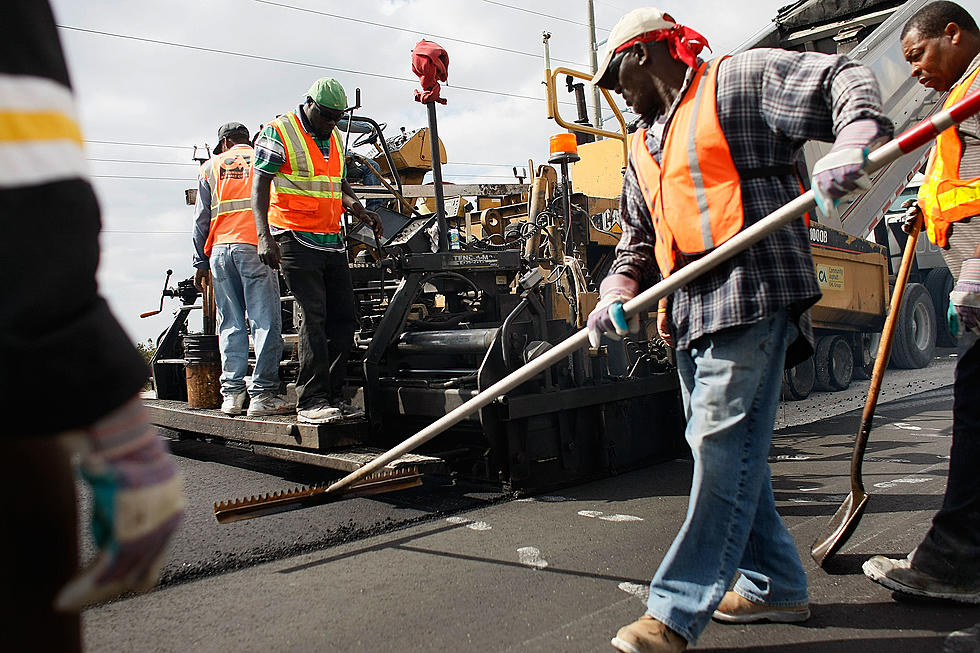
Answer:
(647, 635)
(736, 609)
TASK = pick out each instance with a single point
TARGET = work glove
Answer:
(137, 505)
(841, 172)
(608, 316)
(912, 215)
(964, 301)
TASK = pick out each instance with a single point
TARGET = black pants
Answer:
(951, 549)
(321, 283)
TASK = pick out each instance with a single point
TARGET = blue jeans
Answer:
(245, 285)
(730, 383)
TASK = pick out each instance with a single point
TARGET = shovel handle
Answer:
(881, 358)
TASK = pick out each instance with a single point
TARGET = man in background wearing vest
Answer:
(225, 249)
(723, 137)
(298, 200)
(942, 44)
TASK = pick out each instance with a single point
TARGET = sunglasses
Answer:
(332, 115)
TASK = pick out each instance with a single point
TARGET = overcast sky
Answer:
(144, 105)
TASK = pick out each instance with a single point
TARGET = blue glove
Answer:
(138, 503)
(841, 172)
(953, 319)
(608, 316)
(964, 301)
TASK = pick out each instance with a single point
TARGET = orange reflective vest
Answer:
(306, 192)
(943, 197)
(694, 197)
(229, 176)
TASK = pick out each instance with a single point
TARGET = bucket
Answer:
(202, 365)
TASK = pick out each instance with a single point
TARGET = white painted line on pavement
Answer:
(899, 481)
(641, 592)
(530, 556)
(604, 517)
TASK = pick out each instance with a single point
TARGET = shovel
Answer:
(911, 140)
(846, 519)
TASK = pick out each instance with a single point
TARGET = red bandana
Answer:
(683, 43)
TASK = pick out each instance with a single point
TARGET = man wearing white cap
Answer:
(716, 152)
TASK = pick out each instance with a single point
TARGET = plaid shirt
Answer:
(769, 103)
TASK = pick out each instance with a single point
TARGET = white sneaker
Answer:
(321, 413)
(234, 404)
(268, 404)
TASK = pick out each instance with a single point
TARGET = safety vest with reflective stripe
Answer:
(40, 141)
(943, 196)
(306, 192)
(229, 176)
(694, 197)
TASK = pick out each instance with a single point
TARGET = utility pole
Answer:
(593, 61)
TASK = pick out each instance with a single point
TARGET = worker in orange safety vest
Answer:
(298, 200)
(246, 291)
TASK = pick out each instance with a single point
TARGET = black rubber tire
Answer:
(914, 342)
(862, 370)
(821, 364)
(841, 364)
(939, 282)
(833, 364)
(798, 381)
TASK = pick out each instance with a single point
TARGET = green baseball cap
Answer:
(328, 93)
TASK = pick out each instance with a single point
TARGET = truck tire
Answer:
(834, 364)
(939, 282)
(798, 381)
(914, 342)
(865, 353)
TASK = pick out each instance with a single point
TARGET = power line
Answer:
(538, 13)
(158, 163)
(442, 37)
(247, 55)
(184, 179)
(176, 147)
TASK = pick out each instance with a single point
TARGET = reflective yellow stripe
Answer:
(231, 206)
(958, 195)
(299, 157)
(38, 126)
(286, 190)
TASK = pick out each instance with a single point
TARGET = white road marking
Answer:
(604, 517)
(618, 517)
(789, 457)
(899, 481)
(530, 556)
(641, 592)
(905, 426)
(546, 498)
(472, 525)
(886, 460)
(809, 489)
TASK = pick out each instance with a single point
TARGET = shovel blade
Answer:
(843, 523)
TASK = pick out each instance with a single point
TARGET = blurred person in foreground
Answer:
(941, 42)
(68, 368)
(715, 153)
